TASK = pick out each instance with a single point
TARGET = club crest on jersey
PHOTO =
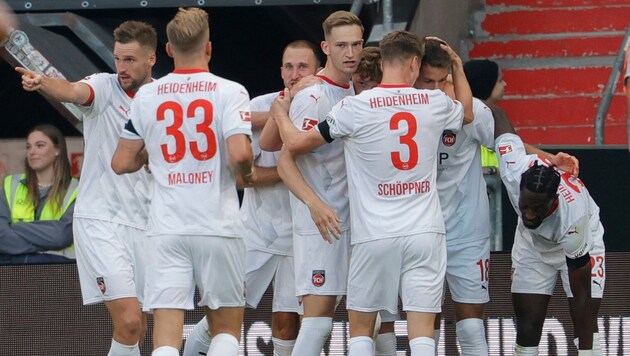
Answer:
(319, 278)
(505, 149)
(308, 124)
(101, 284)
(246, 116)
(448, 138)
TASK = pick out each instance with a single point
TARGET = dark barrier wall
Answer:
(606, 174)
(41, 314)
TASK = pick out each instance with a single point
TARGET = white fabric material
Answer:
(198, 342)
(103, 194)
(313, 334)
(266, 211)
(460, 182)
(597, 346)
(574, 225)
(385, 345)
(422, 346)
(111, 260)
(390, 137)
(525, 351)
(324, 169)
(223, 345)
(184, 120)
(467, 271)
(471, 335)
(361, 346)
(165, 351)
(118, 349)
(282, 347)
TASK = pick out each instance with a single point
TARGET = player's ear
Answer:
(169, 51)
(325, 48)
(152, 59)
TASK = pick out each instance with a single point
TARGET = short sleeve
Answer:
(576, 242)
(236, 113)
(101, 92)
(309, 107)
(454, 113)
(341, 119)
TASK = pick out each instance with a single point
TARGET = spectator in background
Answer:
(487, 84)
(36, 207)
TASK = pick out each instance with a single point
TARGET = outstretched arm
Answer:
(56, 88)
(583, 317)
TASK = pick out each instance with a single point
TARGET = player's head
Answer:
(539, 190)
(299, 60)
(343, 41)
(369, 73)
(134, 52)
(188, 35)
(486, 80)
(46, 153)
(402, 50)
(436, 64)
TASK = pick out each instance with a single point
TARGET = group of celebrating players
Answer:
(362, 178)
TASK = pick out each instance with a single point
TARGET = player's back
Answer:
(185, 118)
(391, 135)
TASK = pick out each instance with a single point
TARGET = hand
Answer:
(281, 104)
(567, 163)
(326, 220)
(304, 83)
(31, 81)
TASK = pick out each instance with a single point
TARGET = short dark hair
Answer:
(370, 64)
(401, 45)
(130, 31)
(434, 55)
(305, 44)
(541, 179)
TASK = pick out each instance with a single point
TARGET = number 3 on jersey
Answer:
(406, 139)
(180, 140)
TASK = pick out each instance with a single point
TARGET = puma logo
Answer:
(126, 111)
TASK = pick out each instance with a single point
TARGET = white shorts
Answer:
(467, 271)
(263, 268)
(535, 272)
(216, 265)
(412, 266)
(110, 260)
(321, 268)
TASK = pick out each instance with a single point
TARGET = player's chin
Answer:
(532, 224)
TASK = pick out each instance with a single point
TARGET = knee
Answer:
(528, 331)
(285, 326)
(130, 325)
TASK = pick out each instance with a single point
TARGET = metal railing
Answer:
(602, 110)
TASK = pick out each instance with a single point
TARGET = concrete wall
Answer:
(447, 19)
(12, 152)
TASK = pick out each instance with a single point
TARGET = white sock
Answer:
(472, 337)
(436, 337)
(525, 350)
(361, 346)
(198, 342)
(118, 349)
(385, 345)
(422, 346)
(281, 347)
(223, 345)
(597, 346)
(314, 332)
(165, 351)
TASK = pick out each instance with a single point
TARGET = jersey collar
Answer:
(190, 71)
(330, 81)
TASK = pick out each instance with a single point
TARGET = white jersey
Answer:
(460, 182)
(103, 194)
(573, 225)
(391, 136)
(184, 119)
(265, 211)
(324, 169)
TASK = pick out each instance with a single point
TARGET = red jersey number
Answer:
(406, 139)
(206, 109)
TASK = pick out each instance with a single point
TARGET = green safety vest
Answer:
(22, 209)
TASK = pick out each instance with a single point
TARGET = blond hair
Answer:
(340, 18)
(189, 30)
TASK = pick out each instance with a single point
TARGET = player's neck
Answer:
(396, 78)
(340, 78)
(190, 63)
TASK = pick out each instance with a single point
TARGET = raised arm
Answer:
(56, 88)
(297, 142)
(583, 317)
(460, 83)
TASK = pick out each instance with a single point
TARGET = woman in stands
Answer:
(36, 207)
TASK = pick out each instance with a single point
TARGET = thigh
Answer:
(105, 261)
(321, 268)
(219, 267)
(467, 271)
(532, 271)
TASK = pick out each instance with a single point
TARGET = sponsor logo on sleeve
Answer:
(448, 138)
(505, 149)
(308, 124)
(319, 278)
(246, 116)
